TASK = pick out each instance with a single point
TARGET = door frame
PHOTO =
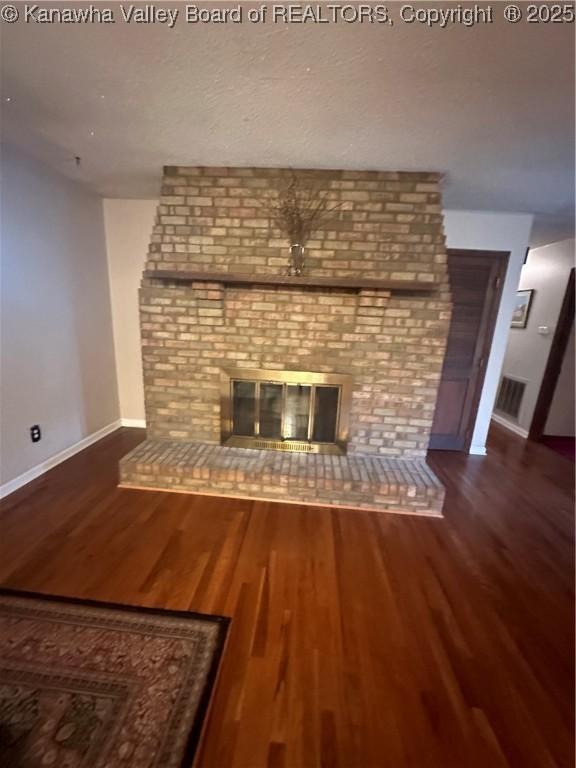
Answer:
(486, 332)
(554, 364)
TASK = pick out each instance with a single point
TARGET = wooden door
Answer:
(554, 363)
(476, 279)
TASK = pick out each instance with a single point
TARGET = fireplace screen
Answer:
(285, 410)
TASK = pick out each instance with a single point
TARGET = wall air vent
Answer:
(510, 396)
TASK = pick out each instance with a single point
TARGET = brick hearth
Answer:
(389, 339)
(366, 482)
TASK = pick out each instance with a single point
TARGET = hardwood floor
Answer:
(357, 640)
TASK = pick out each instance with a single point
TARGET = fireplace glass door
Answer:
(286, 410)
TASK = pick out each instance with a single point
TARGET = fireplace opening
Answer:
(285, 410)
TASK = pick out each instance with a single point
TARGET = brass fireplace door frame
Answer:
(305, 378)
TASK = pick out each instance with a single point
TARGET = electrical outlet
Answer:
(35, 433)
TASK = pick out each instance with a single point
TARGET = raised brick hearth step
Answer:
(365, 482)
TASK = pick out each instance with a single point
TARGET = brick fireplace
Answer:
(371, 310)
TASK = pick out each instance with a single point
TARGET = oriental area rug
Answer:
(102, 686)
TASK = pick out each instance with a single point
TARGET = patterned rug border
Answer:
(223, 623)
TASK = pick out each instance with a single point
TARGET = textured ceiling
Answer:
(491, 106)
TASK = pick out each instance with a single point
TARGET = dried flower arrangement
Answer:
(298, 210)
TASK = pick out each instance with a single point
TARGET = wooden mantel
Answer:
(308, 281)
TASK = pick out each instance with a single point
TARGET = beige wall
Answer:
(128, 226)
(546, 272)
(58, 367)
(561, 415)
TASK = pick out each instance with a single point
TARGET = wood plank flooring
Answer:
(358, 640)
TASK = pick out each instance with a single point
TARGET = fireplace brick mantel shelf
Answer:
(373, 306)
(305, 281)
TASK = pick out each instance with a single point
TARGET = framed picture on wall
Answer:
(521, 309)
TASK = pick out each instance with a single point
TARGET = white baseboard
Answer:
(510, 425)
(40, 469)
(477, 450)
(141, 423)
